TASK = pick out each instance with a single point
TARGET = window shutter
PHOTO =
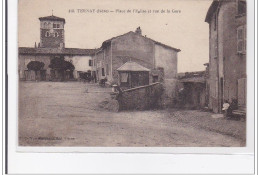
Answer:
(103, 72)
(107, 71)
(245, 39)
(240, 39)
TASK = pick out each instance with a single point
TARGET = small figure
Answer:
(225, 109)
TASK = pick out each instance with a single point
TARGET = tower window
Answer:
(47, 34)
(56, 26)
(56, 34)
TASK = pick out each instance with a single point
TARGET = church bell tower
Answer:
(52, 32)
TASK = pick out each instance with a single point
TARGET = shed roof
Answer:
(52, 18)
(50, 51)
(193, 80)
(131, 66)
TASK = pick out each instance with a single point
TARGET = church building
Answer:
(52, 45)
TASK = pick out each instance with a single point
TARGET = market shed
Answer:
(132, 74)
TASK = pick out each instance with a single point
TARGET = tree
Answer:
(61, 64)
(35, 65)
(64, 68)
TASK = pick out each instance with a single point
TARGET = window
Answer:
(45, 25)
(47, 34)
(241, 7)
(54, 25)
(103, 72)
(90, 62)
(58, 25)
(56, 34)
(107, 70)
(241, 39)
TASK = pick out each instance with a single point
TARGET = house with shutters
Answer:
(227, 53)
(160, 59)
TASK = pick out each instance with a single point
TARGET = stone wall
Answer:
(81, 63)
(141, 98)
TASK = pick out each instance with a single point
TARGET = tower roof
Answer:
(52, 18)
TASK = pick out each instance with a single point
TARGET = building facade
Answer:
(227, 53)
(52, 45)
(133, 46)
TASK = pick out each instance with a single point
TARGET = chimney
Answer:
(138, 30)
(35, 45)
(39, 45)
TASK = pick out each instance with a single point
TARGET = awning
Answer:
(131, 66)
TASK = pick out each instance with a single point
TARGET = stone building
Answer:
(133, 46)
(192, 90)
(227, 53)
(52, 45)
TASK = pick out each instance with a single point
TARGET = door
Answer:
(241, 92)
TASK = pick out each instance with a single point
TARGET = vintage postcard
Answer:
(132, 73)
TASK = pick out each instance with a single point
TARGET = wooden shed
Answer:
(132, 74)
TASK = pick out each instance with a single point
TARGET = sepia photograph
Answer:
(132, 73)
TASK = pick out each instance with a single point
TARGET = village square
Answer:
(128, 92)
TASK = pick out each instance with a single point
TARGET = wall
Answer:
(132, 46)
(213, 67)
(141, 98)
(23, 60)
(51, 41)
(81, 63)
(103, 60)
(228, 64)
(234, 63)
(167, 59)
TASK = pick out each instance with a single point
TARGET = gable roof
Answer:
(52, 51)
(131, 32)
(52, 18)
(131, 66)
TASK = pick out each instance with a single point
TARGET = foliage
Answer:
(60, 63)
(35, 65)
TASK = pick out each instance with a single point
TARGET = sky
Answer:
(185, 30)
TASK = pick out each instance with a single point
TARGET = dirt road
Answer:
(76, 114)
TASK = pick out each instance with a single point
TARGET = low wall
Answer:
(141, 98)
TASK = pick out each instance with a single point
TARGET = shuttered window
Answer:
(107, 69)
(103, 72)
(90, 62)
(241, 39)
